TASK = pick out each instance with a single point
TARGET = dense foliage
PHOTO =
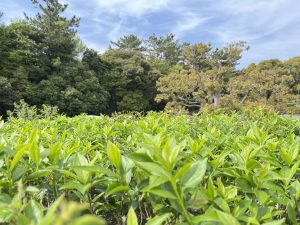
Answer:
(241, 168)
(43, 61)
(209, 78)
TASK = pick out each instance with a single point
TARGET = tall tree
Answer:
(222, 68)
(128, 42)
(20, 47)
(59, 43)
(209, 68)
(293, 68)
(6, 95)
(74, 89)
(130, 80)
(165, 48)
(267, 83)
(93, 61)
(18, 61)
(182, 90)
(197, 56)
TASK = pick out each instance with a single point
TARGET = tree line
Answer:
(43, 61)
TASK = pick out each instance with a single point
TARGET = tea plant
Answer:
(213, 168)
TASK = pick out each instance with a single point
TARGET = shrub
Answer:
(25, 111)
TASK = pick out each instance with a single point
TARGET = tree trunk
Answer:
(216, 100)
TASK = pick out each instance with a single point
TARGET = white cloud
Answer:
(96, 46)
(250, 21)
(115, 32)
(110, 17)
(135, 8)
(11, 10)
(271, 27)
(189, 22)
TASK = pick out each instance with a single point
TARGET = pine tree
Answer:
(59, 41)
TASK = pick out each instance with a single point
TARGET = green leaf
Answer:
(32, 189)
(33, 210)
(50, 216)
(131, 217)
(38, 174)
(231, 192)
(153, 169)
(67, 173)
(159, 219)
(88, 220)
(126, 169)
(250, 220)
(34, 154)
(197, 201)
(210, 189)
(183, 170)
(227, 219)
(115, 188)
(221, 188)
(252, 164)
(18, 172)
(114, 155)
(80, 160)
(194, 175)
(262, 197)
(17, 157)
(154, 182)
(276, 222)
(294, 169)
(209, 216)
(23, 220)
(222, 204)
(286, 157)
(163, 193)
(270, 185)
(170, 152)
(74, 185)
(54, 151)
(244, 185)
(140, 157)
(95, 169)
(292, 214)
(295, 188)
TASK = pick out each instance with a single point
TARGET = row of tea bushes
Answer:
(212, 168)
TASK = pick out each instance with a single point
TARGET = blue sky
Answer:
(271, 27)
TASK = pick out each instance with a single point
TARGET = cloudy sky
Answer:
(271, 27)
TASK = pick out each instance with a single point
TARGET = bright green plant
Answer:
(25, 111)
(213, 168)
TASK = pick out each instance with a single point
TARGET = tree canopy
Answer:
(43, 61)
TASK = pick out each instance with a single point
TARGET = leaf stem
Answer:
(181, 203)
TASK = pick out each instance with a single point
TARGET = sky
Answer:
(270, 27)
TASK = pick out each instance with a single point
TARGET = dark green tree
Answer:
(93, 61)
(18, 61)
(6, 95)
(59, 43)
(166, 48)
(130, 81)
(20, 48)
(75, 90)
(128, 42)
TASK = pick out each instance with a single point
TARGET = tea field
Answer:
(158, 169)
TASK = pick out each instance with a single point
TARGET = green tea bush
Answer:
(25, 111)
(214, 168)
